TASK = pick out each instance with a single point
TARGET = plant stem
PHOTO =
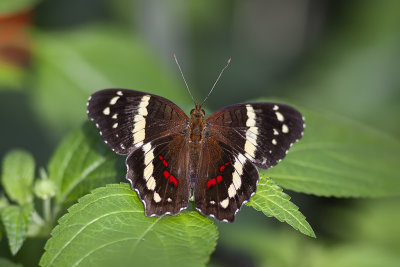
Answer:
(37, 219)
(56, 210)
(47, 209)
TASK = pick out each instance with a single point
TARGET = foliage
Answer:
(340, 157)
(76, 202)
(17, 176)
(83, 162)
(16, 222)
(7, 263)
(274, 203)
(69, 69)
(114, 230)
(16, 5)
(368, 245)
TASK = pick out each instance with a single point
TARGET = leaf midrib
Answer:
(120, 240)
(84, 206)
(87, 225)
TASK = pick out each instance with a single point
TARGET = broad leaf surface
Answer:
(108, 228)
(71, 65)
(17, 176)
(273, 202)
(342, 158)
(16, 221)
(83, 162)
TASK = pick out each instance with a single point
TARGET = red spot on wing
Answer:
(173, 180)
(166, 174)
(219, 178)
(211, 182)
(222, 168)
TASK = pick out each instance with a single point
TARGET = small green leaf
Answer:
(17, 176)
(16, 221)
(83, 162)
(108, 228)
(7, 263)
(273, 202)
(340, 157)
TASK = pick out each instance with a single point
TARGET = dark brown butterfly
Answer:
(170, 153)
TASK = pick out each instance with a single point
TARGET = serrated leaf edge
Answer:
(306, 229)
(84, 203)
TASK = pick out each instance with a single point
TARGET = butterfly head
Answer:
(197, 112)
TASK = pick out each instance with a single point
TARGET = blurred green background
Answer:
(340, 57)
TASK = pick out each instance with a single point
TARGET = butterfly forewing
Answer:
(128, 119)
(263, 132)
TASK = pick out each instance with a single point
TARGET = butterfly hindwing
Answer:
(127, 119)
(263, 132)
(227, 179)
(158, 171)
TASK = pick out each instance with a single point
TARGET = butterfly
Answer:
(172, 156)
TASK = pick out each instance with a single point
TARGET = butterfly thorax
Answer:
(197, 124)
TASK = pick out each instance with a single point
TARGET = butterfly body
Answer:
(196, 138)
(169, 154)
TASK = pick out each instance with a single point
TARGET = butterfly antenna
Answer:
(187, 87)
(219, 76)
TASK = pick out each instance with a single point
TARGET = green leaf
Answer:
(17, 176)
(340, 157)
(277, 247)
(108, 228)
(83, 162)
(71, 65)
(273, 202)
(7, 263)
(16, 5)
(16, 221)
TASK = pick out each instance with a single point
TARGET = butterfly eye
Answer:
(192, 111)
